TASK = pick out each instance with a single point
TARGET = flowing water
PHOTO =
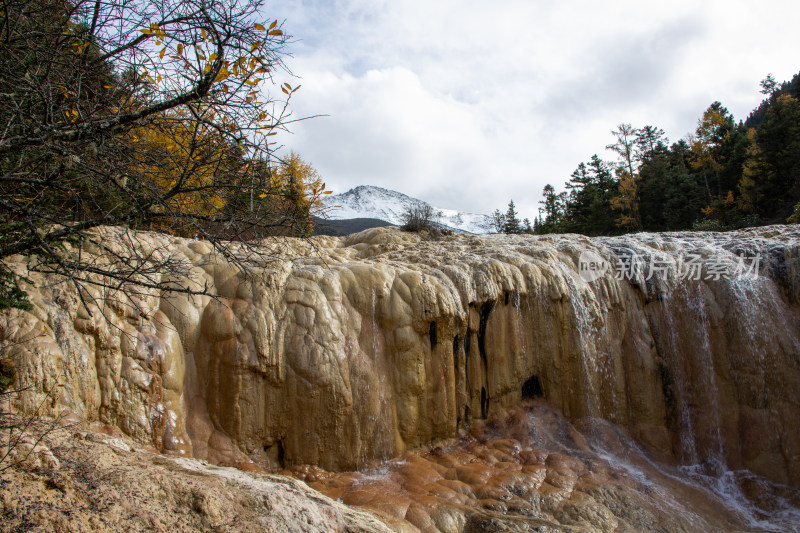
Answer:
(531, 467)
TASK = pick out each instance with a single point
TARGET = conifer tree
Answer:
(512, 224)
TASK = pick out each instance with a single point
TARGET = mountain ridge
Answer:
(373, 202)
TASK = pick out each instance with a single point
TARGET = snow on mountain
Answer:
(367, 201)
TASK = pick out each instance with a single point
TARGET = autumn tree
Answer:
(301, 187)
(626, 203)
(137, 114)
(625, 147)
(794, 218)
(627, 200)
(284, 195)
(709, 147)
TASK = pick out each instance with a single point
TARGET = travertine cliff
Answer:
(363, 347)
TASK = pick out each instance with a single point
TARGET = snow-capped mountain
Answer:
(367, 201)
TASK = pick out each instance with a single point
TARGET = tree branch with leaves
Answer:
(143, 114)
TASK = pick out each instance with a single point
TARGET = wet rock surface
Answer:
(530, 469)
(362, 348)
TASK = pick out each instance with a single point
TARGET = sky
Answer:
(469, 104)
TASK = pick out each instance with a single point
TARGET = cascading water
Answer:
(674, 377)
(584, 343)
(393, 342)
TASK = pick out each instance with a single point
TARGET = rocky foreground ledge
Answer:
(359, 349)
(525, 470)
(101, 481)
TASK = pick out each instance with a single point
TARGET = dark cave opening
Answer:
(532, 388)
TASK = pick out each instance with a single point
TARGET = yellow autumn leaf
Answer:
(223, 74)
(212, 57)
(146, 31)
(328, 192)
(259, 27)
(203, 33)
(180, 49)
(276, 32)
(262, 195)
(274, 23)
(255, 46)
(163, 51)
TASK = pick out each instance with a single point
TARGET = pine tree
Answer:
(774, 169)
(512, 224)
(526, 226)
(553, 205)
(649, 141)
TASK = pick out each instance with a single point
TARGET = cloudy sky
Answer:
(467, 104)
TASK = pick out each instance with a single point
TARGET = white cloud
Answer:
(469, 104)
(388, 130)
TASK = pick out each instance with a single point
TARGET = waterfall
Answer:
(368, 347)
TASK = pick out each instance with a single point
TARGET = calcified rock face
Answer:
(529, 469)
(366, 346)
